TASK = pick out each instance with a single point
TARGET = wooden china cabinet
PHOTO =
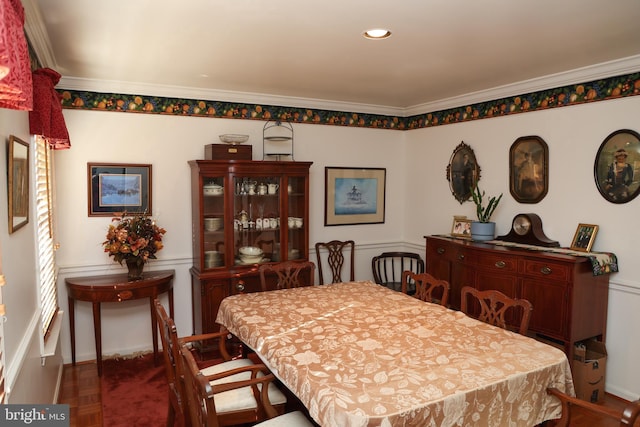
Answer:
(236, 204)
(569, 302)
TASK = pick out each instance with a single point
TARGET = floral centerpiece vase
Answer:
(133, 239)
(135, 267)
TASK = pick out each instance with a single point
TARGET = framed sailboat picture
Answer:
(354, 195)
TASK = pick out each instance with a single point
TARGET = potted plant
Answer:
(483, 229)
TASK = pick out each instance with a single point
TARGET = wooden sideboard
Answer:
(569, 302)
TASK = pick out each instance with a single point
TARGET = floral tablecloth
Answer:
(359, 354)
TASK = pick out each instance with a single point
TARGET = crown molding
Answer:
(603, 70)
(183, 92)
(581, 75)
(38, 35)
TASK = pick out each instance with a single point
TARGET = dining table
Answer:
(359, 354)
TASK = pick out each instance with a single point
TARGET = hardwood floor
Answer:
(80, 389)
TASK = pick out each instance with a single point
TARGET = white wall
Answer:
(168, 142)
(20, 294)
(418, 202)
(574, 135)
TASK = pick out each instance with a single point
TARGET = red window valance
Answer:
(46, 119)
(16, 90)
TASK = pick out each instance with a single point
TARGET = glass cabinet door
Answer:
(257, 219)
(213, 222)
(296, 218)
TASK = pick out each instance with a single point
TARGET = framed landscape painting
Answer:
(119, 187)
(354, 195)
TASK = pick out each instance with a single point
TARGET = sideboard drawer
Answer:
(546, 270)
(498, 262)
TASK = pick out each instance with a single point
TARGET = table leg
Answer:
(154, 329)
(97, 331)
(72, 326)
(170, 292)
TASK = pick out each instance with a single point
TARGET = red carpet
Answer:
(134, 392)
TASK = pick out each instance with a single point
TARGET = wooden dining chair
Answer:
(178, 411)
(336, 259)
(247, 386)
(627, 416)
(494, 306)
(426, 287)
(289, 274)
(388, 268)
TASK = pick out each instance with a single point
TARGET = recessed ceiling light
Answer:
(377, 34)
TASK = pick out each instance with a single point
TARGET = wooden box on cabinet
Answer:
(569, 302)
(226, 202)
(228, 152)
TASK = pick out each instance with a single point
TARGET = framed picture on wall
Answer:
(617, 166)
(18, 183)
(529, 169)
(584, 237)
(463, 172)
(354, 195)
(118, 187)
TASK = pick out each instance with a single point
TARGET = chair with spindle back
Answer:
(388, 268)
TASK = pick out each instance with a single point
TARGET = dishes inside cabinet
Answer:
(213, 224)
(213, 259)
(212, 190)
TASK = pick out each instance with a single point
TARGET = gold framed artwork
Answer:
(617, 166)
(584, 237)
(18, 183)
(529, 169)
(118, 187)
(354, 195)
(463, 172)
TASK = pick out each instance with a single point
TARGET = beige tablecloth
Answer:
(359, 354)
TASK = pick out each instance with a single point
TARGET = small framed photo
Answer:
(354, 195)
(529, 169)
(617, 166)
(118, 187)
(461, 227)
(584, 237)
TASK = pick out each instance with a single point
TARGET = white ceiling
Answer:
(301, 53)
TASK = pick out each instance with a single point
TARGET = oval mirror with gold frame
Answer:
(463, 172)
(18, 183)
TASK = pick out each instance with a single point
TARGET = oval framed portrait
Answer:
(617, 166)
(463, 172)
(529, 169)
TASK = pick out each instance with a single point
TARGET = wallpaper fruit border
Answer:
(597, 90)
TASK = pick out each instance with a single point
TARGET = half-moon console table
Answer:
(116, 288)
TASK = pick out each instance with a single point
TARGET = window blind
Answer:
(44, 232)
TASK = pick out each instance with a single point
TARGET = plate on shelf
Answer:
(233, 138)
(278, 138)
(240, 262)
